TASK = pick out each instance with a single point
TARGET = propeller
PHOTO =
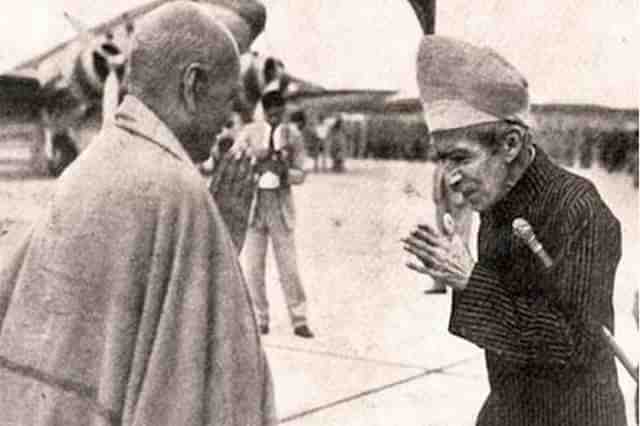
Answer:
(104, 64)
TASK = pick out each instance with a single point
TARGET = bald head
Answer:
(172, 37)
(184, 65)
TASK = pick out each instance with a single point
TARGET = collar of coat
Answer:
(135, 117)
(524, 195)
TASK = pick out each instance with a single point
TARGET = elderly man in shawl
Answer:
(540, 326)
(126, 305)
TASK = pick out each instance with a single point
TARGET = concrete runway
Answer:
(382, 354)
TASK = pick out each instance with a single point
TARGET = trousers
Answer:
(269, 225)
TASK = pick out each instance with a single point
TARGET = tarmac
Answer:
(382, 354)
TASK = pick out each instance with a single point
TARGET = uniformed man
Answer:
(540, 327)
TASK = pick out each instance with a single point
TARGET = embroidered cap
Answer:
(462, 85)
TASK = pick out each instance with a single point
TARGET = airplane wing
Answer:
(315, 97)
(341, 101)
(72, 74)
(68, 71)
(70, 88)
(250, 11)
(125, 19)
(260, 72)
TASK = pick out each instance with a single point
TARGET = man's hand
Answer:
(444, 257)
(232, 187)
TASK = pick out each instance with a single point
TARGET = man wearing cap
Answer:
(278, 150)
(540, 327)
(115, 310)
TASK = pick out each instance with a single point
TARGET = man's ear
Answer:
(191, 79)
(512, 144)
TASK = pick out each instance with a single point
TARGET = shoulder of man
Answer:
(152, 171)
(577, 202)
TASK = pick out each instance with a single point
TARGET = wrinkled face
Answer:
(273, 115)
(478, 172)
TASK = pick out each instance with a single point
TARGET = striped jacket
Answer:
(540, 328)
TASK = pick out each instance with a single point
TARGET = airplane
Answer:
(372, 101)
(58, 97)
(61, 96)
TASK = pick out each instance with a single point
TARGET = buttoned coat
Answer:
(541, 328)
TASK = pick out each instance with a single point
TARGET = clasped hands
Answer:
(443, 256)
(232, 187)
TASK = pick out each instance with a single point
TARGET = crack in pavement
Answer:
(346, 357)
(374, 390)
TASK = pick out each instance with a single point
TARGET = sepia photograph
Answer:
(319, 213)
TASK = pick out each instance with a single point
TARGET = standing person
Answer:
(126, 304)
(279, 152)
(309, 136)
(323, 129)
(540, 328)
(337, 145)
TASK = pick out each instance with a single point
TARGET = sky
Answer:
(584, 51)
